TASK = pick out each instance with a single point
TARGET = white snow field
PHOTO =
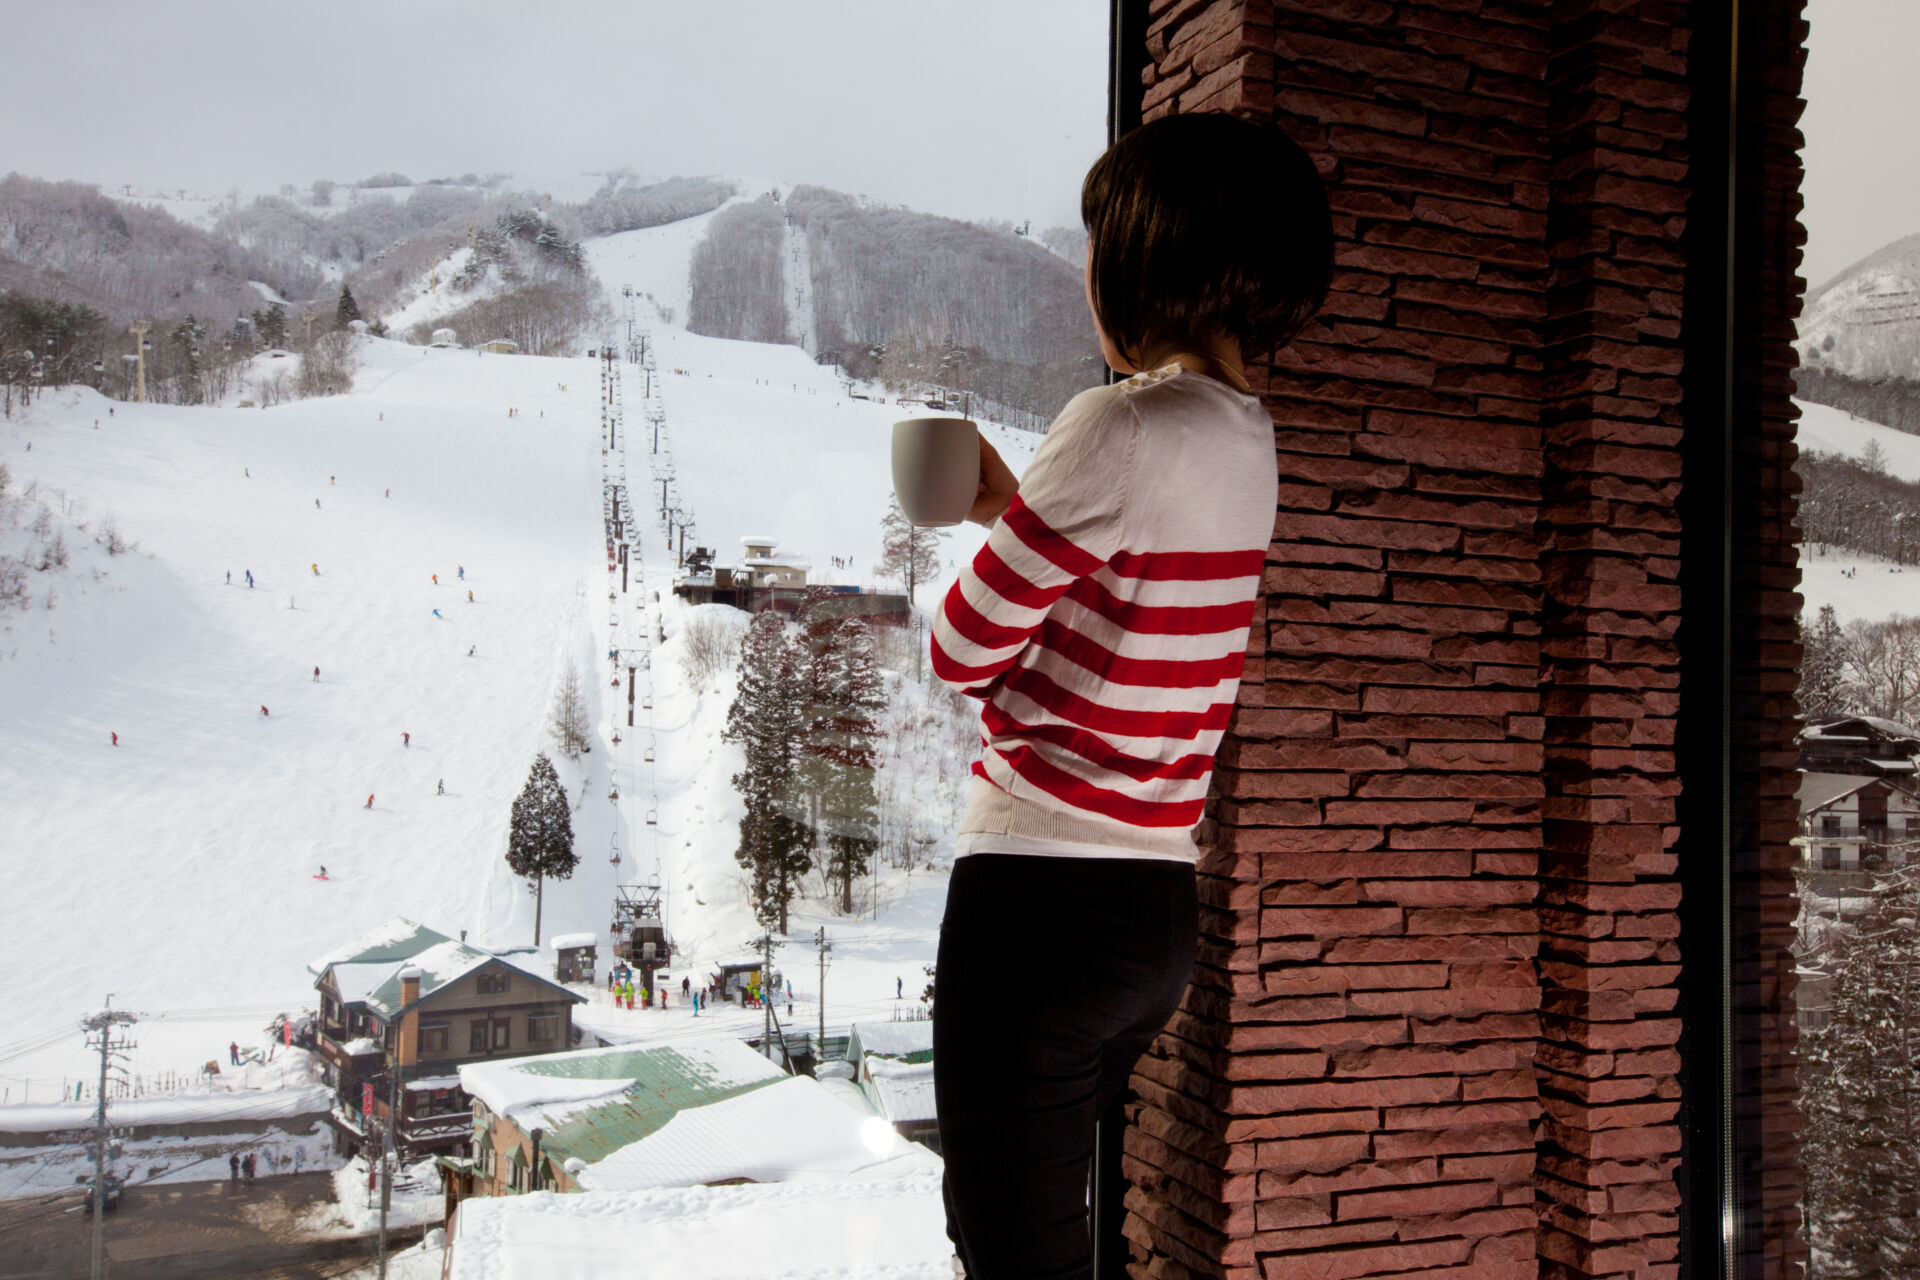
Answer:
(176, 870)
(1856, 585)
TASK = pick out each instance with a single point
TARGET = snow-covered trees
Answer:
(907, 552)
(856, 695)
(567, 719)
(1860, 1094)
(1824, 691)
(346, 310)
(737, 276)
(765, 720)
(270, 324)
(540, 834)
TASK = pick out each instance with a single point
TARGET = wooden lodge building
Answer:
(402, 1008)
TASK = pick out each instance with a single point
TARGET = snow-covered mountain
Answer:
(176, 868)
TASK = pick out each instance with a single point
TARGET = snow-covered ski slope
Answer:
(1856, 585)
(176, 870)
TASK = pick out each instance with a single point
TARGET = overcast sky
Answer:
(1862, 154)
(973, 108)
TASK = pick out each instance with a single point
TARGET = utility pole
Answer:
(100, 1035)
(386, 1163)
(820, 941)
(766, 990)
(139, 331)
(309, 319)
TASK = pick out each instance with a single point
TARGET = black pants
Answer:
(1054, 975)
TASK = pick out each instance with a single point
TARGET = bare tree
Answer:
(568, 719)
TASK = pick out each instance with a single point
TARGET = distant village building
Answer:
(765, 579)
(1869, 745)
(1855, 822)
(500, 346)
(444, 338)
(402, 1007)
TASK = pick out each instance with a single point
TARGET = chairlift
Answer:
(646, 702)
(653, 817)
(649, 755)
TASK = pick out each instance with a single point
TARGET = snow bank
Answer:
(891, 1229)
(192, 1108)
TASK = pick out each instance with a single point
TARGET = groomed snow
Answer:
(190, 1108)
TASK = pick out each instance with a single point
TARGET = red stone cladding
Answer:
(1767, 654)
(1433, 1028)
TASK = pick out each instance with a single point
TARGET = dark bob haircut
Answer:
(1202, 224)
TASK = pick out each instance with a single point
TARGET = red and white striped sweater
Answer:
(1104, 624)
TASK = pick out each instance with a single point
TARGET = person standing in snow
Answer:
(316, 675)
(249, 574)
(899, 984)
(116, 739)
(323, 872)
(233, 1167)
(436, 613)
(441, 789)
(369, 801)
(263, 710)
(316, 570)
(469, 597)
(463, 572)
(316, 504)
(299, 1159)
(406, 739)
(686, 985)
(229, 577)
(233, 1053)
(246, 1166)
(436, 579)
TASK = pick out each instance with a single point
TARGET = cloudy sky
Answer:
(1863, 163)
(973, 108)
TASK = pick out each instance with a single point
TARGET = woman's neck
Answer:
(1219, 360)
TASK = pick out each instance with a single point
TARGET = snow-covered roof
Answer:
(902, 1090)
(892, 1039)
(594, 1101)
(1818, 790)
(397, 939)
(1894, 766)
(758, 540)
(244, 1104)
(893, 1227)
(568, 941)
(359, 1045)
(1848, 728)
(377, 984)
(791, 1130)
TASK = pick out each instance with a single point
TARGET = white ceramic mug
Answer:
(936, 469)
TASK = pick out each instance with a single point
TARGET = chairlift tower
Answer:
(639, 928)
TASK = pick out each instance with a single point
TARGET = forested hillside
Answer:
(738, 283)
(66, 241)
(911, 299)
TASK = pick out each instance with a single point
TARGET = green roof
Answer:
(397, 939)
(666, 1079)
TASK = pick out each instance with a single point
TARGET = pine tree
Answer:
(347, 309)
(907, 552)
(540, 834)
(852, 808)
(1823, 669)
(765, 720)
(568, 719)
(271, 325)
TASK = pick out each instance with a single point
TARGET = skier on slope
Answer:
(369, 802)
(406, 739)
(316, 675)
(441, 789)
(263, 710)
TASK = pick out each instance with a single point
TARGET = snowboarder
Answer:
(323, 873)
(441, 789)
(263, 710)
(116, 739)
(316, 675)
(316, 570)
(436, 613)
(233, 1054)
(469, 597)
(233, 1167)
(406, 739)
(369, 802)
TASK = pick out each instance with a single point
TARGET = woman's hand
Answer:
(997, 487)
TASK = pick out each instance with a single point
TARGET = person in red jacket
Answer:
(1103, 626)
